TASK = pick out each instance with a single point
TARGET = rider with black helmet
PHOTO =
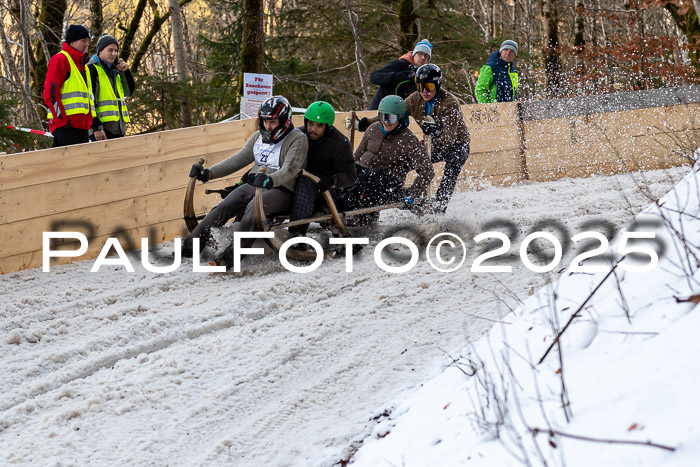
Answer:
(278, 147)
(439, 114)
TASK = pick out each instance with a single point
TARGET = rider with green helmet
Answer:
(329, 158)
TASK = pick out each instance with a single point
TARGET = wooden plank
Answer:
(470, 183)
(26, 235)
(490, 115)
(547, 133)
(49, 165)
(639, 122)
(493, 163)
(488, 139)
(557, 159)
(92, 190)
(158, 233)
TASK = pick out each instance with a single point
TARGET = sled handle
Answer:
(329, 201)
(188, 207)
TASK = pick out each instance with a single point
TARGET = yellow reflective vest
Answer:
(76, 94)
(106, 102)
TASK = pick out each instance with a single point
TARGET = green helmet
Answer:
(393, 105)
(320, 112)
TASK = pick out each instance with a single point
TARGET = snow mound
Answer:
(618, 388)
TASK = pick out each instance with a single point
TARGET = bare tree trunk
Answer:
(492, 20)
(155, 28)
(180, 61)
(96, 21)
(407, 25)
(580, 39)
(690, 25)
(642, 49)
(253, 46)
(51, 13)
(14, 74)
(128, 40)
(552, 60)
(25, 45)
(361, 67)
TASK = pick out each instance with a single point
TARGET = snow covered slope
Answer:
(626, 371)
(268, 367)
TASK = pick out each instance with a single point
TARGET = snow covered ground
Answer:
(268, 367)
(626, 371)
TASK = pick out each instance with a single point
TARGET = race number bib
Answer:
(266, 154)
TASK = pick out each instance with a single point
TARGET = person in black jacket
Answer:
(329, 157)
(397, 76)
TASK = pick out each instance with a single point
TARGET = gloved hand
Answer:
(202, 174)
(324, 182)
(262, 180)
(407, 202)
(363, 124)
(248, 177)
(432, 129)
(405, 75)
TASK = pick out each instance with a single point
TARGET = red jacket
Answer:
(57, 73)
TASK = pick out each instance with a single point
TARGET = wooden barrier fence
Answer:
(133, 188)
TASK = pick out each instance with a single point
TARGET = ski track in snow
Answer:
(266, 367)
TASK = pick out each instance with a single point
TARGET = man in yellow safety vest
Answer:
(112, 83)
(68, 92)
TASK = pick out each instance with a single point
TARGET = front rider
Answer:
(278, 147)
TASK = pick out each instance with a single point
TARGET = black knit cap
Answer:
(75, 32)
(104, 40)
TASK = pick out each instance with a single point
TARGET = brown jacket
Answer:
(400, 153)
(447, 114)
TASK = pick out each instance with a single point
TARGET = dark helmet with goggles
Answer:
(275, 108)
(429, 77)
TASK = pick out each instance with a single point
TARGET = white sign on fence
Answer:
(257, 85)
(256, 89)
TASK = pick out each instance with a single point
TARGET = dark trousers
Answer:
(307, 200)
(372, 188)
(455, 157)
(67, 135)
(238, 203)
(109, 135)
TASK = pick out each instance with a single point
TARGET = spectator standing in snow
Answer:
(498, 79)
(396, 77)
(111, 82)
(67, 90)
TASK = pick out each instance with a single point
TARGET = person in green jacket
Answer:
(498, 79)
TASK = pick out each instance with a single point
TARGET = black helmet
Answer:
(427, 75)
(275, 107)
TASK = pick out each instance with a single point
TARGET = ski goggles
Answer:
(430, 87)
(391, 118)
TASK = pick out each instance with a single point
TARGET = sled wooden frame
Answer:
(336, 218)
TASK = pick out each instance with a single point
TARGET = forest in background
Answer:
(188, 56)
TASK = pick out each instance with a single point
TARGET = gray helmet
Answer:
(393, 105)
